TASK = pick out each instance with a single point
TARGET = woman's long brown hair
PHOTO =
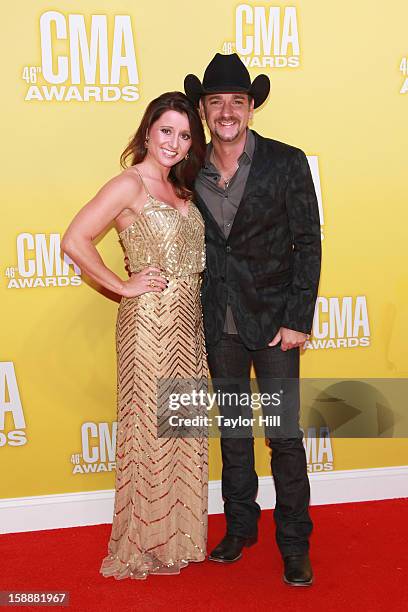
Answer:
(183, 174)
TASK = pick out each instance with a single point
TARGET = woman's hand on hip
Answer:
(148, 280)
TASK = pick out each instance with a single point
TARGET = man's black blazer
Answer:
(268, 268)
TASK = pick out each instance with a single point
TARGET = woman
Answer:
(160, 516)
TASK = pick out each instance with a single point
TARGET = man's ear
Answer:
(201, 109)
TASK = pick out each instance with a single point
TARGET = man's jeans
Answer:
(230, 361)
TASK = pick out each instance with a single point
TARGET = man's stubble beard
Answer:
(224, 138)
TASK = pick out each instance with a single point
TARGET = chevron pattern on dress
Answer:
(160, 516)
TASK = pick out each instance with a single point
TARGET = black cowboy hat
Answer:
(227, 74)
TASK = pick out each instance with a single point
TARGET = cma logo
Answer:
(12, 421)
(39, 263)
(319, 452)
(340, 323)
(267, 36)
(98, 448)
(98, 55)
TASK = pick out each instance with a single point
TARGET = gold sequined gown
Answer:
(160, 515)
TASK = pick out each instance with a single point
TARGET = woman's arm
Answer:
(113, 200)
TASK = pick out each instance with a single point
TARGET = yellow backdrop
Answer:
(76, 79)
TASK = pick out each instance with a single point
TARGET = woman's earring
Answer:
(146, 142)
(187, 156)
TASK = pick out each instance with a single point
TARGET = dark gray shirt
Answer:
(223, 202)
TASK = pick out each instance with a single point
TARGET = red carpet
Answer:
(359, 554)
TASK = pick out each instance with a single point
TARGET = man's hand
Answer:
(289, 338)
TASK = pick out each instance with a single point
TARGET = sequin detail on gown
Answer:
(160, 515)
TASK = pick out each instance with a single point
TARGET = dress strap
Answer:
(143, 183)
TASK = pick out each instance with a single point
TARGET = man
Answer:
(263, 264)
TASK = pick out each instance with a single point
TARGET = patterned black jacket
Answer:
(270, 264)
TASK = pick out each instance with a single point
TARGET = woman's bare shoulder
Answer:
(127, 187)
(128, 179)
